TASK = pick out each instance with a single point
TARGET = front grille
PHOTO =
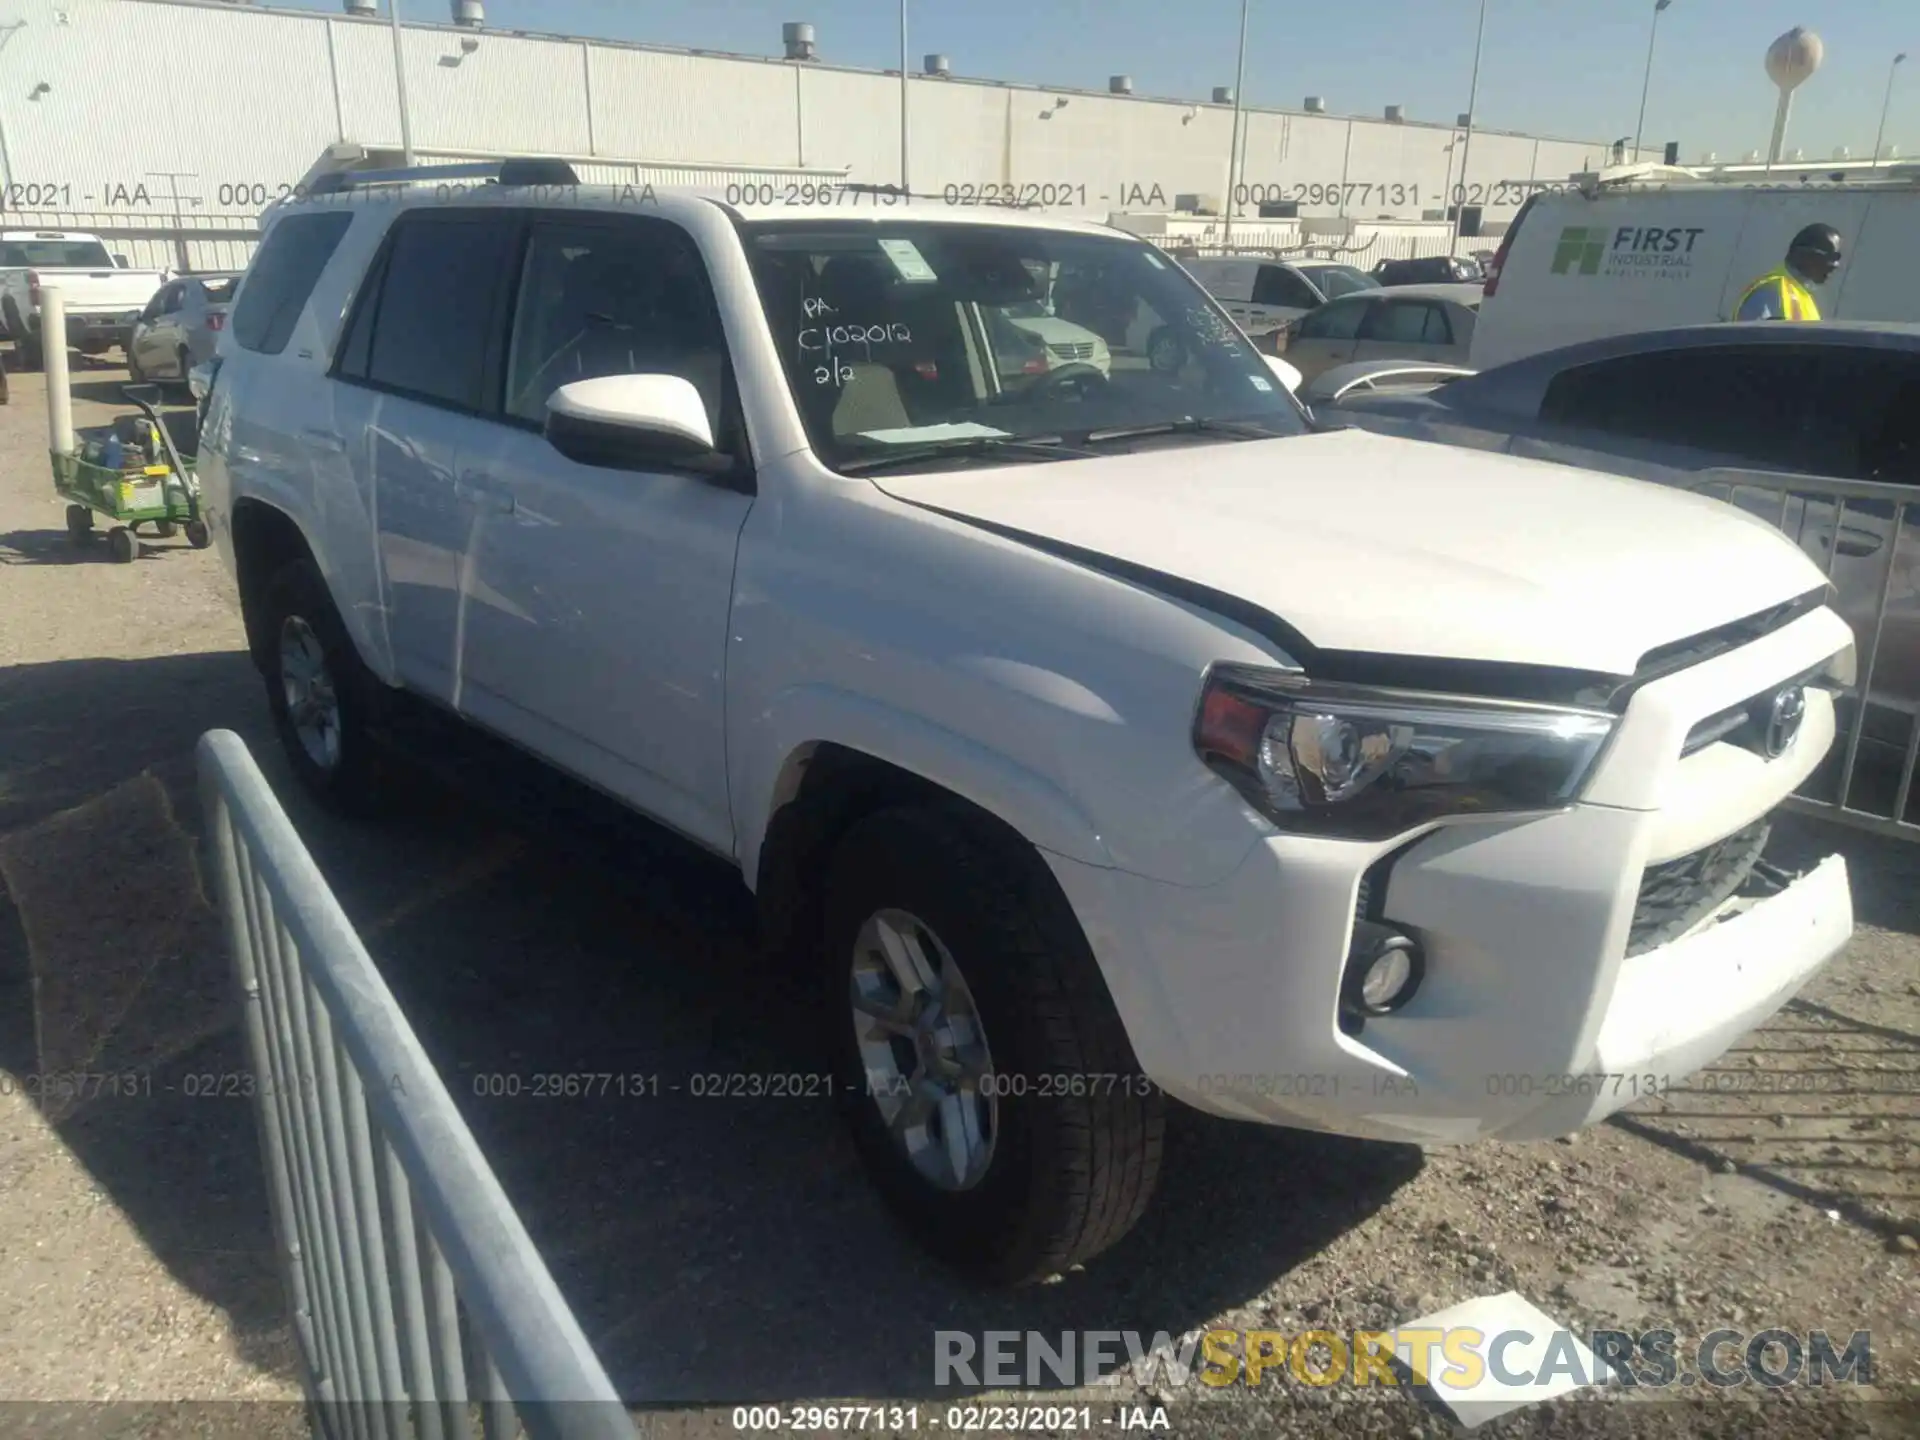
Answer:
(1078, 350)
(1678, 894)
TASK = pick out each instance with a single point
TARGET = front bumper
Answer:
(1533, 1019)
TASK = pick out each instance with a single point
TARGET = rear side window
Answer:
(1401, 323)
(434, 312)
(1276, 286)
(1337, 320)
(281, 278)
(1749, 403)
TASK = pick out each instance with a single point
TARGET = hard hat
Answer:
(1821, 240)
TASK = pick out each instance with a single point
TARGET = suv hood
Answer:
(1370, 544)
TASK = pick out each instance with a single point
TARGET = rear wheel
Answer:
(987, 1077)
(122, 545)
(321, 695)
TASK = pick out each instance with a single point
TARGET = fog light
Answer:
(1384, 969)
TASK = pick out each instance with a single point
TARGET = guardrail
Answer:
(1869, 546)
(417, 1297)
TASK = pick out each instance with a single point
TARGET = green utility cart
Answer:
(133, 474)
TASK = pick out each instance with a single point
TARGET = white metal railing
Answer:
(1876, 523)
(417, 1296)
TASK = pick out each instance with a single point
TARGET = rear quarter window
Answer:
(282, 276)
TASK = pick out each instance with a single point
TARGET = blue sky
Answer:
(1557, 67)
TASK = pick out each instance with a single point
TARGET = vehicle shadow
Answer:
(544, 933)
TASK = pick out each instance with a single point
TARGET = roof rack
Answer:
(504, 172)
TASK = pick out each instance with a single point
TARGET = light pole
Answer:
(1886, 105)
(1233, 146)
(1466, 148)
(903, 97)
(400, 84)
(1640, 127)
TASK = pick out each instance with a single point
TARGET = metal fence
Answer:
(1866, 536)
(419, 1303)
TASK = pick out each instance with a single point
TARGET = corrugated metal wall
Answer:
(249, 98)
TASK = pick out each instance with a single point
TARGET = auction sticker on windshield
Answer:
(908, 260)
(957, 430)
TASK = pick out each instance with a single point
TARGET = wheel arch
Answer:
(823, 786)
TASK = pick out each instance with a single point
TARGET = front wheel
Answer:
(988, 1080)
(320, 693)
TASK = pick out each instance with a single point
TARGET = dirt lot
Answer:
(726, 1251)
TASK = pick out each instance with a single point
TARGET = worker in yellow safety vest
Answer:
(1782, 293)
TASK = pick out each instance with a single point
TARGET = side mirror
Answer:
(1285, 373)
(629, 422)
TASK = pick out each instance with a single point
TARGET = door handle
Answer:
(488, 495)
(324, 440)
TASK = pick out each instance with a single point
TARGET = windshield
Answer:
(911, 335)
(1337, 280)
(54, 255)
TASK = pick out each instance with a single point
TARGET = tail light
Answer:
(1499, 260)
(216, 321)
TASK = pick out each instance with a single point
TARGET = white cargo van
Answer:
(1649, 247)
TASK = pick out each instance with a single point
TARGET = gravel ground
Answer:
(729, 1251)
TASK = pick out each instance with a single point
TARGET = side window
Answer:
(284, 272)
(1750, 404)
(629, 297)
(1276, 286)
(1336, 320)
(1439, 329)
(1398, 322)
(170, 299)
(1865, 416)
(154, 307)
(436, 307)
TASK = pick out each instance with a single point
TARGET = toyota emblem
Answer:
(1783, 720)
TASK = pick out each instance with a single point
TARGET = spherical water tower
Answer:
(1791, 60)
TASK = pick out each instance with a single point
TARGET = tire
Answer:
(197, 535)
(1063, 1175)
(163, 528)
(79, 524)
(122, 545)
(300, 623)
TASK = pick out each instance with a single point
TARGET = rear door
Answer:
(1404, 330)
(1326, 337)
(413, 370)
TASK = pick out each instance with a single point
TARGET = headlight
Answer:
(1361, 763)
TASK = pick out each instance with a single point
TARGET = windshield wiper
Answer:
(994, 447)
(1189, 425)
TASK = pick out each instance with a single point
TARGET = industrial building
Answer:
(179, 177)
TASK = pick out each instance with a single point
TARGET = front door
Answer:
(597, 599)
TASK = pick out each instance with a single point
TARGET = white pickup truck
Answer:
(103, 296)
(1096, 737)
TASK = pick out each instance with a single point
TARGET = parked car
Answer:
(102, 294)
(180, 327)
(1407, 322)
(1115, 737)
(1840, 400)
(1616, 258)
(1428, 270)
(1029, 339)
(1262, 293)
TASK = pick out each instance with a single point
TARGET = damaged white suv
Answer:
(1099, 733)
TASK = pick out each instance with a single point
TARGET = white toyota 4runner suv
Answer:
(1100, 734)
